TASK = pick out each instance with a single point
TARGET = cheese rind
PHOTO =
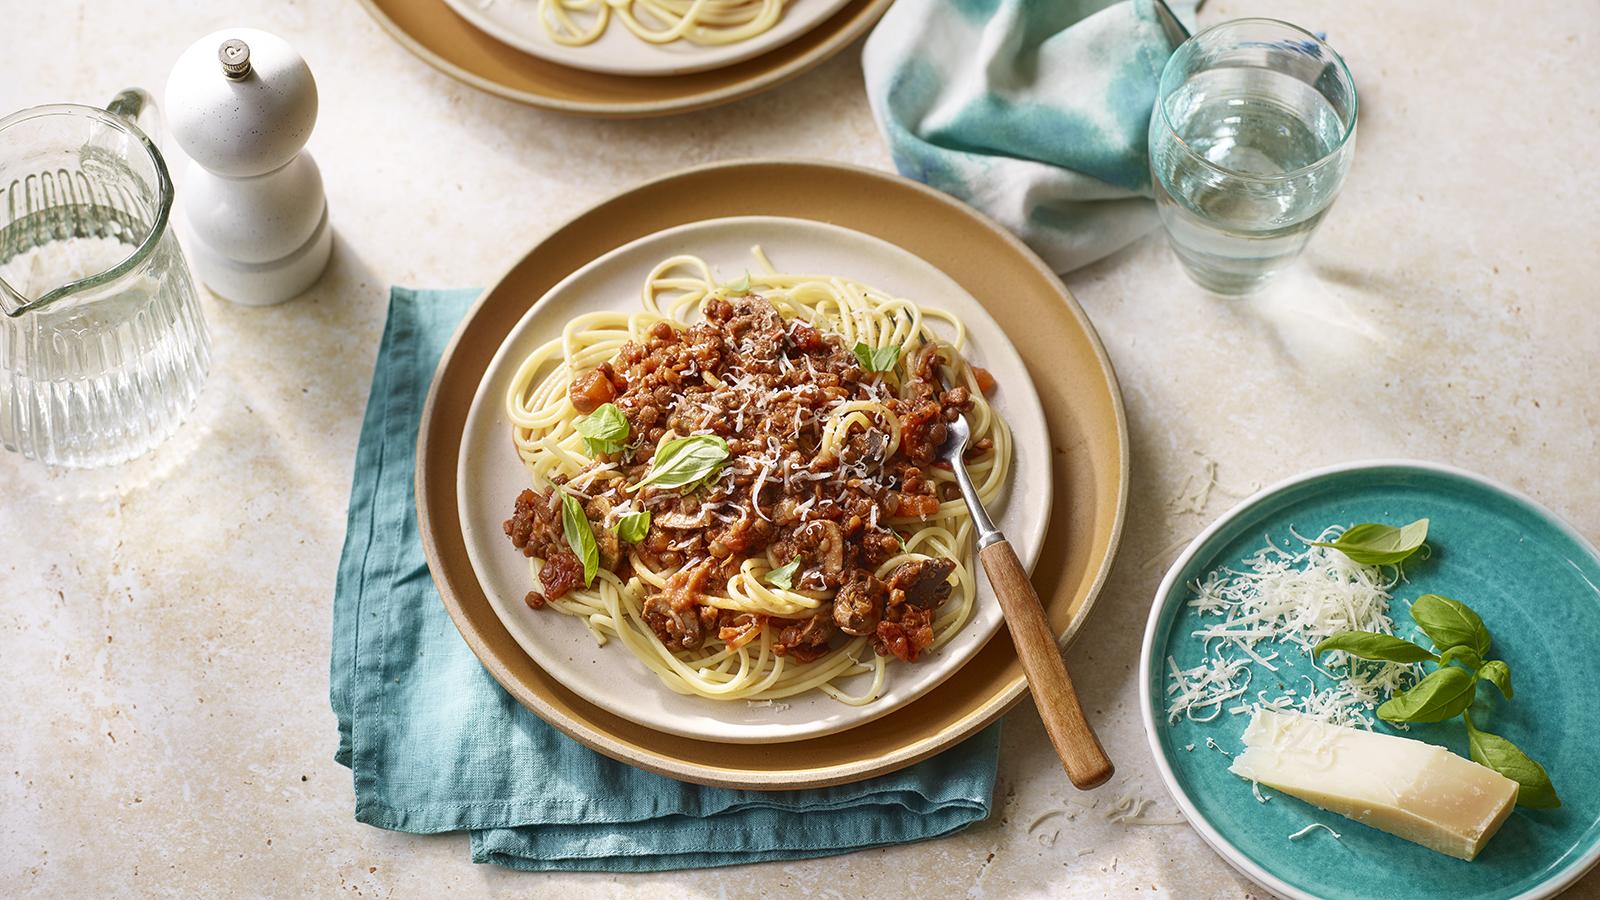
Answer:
(1410, 789)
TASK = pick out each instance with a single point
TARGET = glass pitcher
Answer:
(102, 346)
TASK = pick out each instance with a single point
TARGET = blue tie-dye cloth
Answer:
(1033, 111)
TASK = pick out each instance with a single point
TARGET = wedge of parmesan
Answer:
(1410, 789)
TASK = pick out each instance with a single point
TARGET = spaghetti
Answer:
(740, 483)
(575, 23)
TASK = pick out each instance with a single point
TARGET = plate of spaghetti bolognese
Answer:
(699, 484)
(646, 37)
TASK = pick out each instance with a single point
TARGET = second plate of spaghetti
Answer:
(646, 37)
(699, 480)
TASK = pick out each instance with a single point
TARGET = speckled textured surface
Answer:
(164, 627)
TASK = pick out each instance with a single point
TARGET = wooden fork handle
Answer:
(1075, 742)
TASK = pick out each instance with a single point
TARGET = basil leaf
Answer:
(1463, 654)
(604, 431)
(738, 288)
(1370, 645)
(632, 527)
(685, 461)
(1496, 672)
(783, 576)
(1444, 694)
(580, 536)
(881, 359)
(1450, 623)
(1379, 545)
(1504, 757)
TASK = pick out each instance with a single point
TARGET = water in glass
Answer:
(1246, 160)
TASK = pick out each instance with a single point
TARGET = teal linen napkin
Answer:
(435, 744)
(1033, 112)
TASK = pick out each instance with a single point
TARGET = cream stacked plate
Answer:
(1067, 494)
(625, 58)
(644, 37)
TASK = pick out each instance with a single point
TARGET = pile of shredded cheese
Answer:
(1283, 601)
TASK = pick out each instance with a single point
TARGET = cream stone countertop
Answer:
(164, 627)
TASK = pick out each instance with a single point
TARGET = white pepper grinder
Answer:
(241, 103)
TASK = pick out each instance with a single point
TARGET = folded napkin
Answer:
(436, 745)
(1033, 112)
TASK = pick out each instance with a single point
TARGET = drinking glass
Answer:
(102, 345)
(1250, 140)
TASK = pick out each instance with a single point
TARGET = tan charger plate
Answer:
(1088, 449)
(444, 40)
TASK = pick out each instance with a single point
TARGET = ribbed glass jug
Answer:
(102, 345)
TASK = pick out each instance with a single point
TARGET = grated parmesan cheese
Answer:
(1313, 827)
(1289, 600)
(1205, 686)
(1130, 810)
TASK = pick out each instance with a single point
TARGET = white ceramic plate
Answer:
(490, 476)
(619, 52)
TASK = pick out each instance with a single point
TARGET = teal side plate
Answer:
(1536, 583)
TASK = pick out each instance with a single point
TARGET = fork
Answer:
(1075, 742)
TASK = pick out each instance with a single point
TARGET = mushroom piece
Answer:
(830, 546)
(921, 582)
(858, 606)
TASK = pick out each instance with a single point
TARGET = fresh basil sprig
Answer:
(686, 461)
(1444, 694)
(604, 431)
(880, 359)
(1371, 645)
(783, 576)
(1535, 788)
(1371, 544)
(738, 288)
(1448, 691)
(580, 536)
(1466, 655)
(632, 527)
(1450, 623)
(1497, 673)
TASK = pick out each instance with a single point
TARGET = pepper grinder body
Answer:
(242, 103)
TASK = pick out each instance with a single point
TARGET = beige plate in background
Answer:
(451, 44)
(491, 473)
(1087, 446)
(619, 51)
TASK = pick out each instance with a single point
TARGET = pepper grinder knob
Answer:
(242, 104)
(234, 55)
